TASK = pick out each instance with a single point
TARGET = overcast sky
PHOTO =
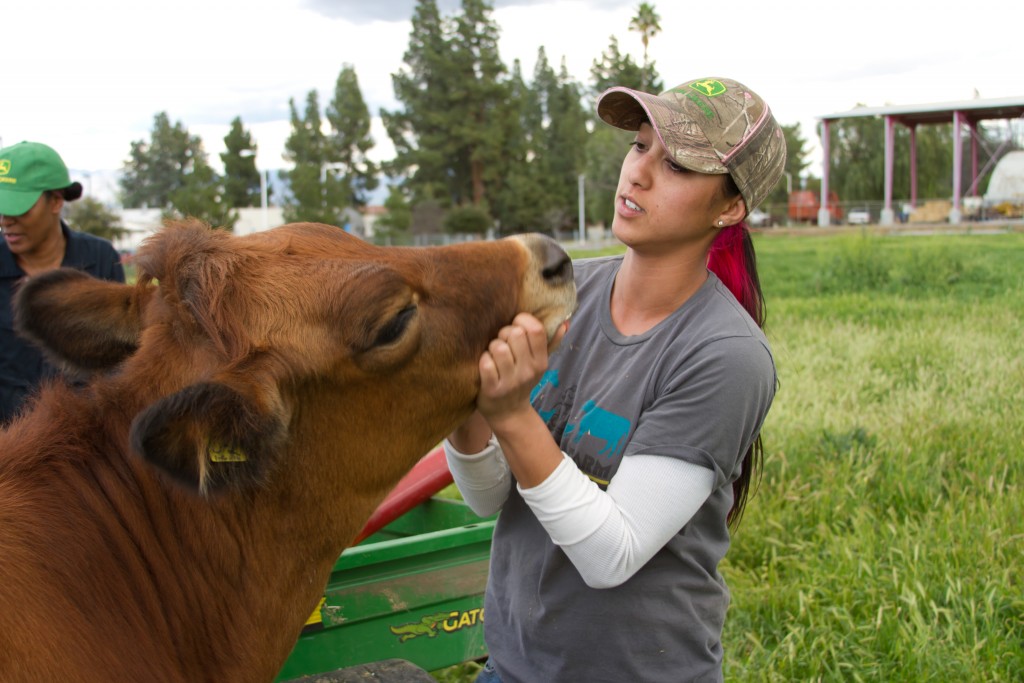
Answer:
(88, 77)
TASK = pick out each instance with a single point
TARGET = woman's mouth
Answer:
(631, 207)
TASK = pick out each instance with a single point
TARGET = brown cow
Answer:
(252, 400)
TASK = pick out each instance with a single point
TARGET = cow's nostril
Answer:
(557, 264)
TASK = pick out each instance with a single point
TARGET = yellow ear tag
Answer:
(222, 454)
(316, 617)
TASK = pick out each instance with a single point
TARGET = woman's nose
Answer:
(638, 172)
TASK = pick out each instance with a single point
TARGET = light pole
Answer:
(264, 181)
(580, 182)
(324, 168)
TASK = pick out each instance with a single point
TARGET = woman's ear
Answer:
(734, 212)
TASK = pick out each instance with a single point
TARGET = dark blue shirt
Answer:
(22, 365)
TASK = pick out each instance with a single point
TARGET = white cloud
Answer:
(114, 64)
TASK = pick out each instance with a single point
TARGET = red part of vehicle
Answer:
(804, 205)
(425, 479)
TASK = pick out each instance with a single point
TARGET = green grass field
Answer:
(886, 539)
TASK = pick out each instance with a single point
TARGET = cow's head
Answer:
(300, 338)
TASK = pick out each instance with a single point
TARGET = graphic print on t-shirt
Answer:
(547, 383)
(593, 436)
(603, 425)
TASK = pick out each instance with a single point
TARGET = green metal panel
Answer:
(412, 591)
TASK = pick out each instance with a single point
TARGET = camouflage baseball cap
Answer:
(709, 125)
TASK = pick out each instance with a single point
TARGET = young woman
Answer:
(619, 461)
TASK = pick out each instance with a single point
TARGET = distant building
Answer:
(141, 223)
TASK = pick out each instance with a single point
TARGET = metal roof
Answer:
(971, 110)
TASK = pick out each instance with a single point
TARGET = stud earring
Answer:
(721, 223)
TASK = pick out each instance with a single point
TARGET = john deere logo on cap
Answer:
(709, 87)
(5, 166)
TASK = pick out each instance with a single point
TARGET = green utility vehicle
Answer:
(412, 590)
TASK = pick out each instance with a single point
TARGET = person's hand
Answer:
(511, 367)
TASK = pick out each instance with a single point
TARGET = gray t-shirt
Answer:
(697, 386)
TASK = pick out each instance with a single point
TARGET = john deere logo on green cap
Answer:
(709, 87)
(5, 166)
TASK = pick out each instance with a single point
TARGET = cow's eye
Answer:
(395, 327)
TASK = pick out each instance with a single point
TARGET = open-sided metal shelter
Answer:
(966, 113)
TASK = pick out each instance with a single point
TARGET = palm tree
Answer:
(647, 24)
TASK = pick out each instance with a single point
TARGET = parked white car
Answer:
(759, 219)
(859, 217)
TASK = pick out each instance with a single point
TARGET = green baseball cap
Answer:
(708, 125)
(29, 169)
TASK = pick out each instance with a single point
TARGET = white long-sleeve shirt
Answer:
(608, 535)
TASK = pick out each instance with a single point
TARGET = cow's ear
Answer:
(211, 436)
(81, 323)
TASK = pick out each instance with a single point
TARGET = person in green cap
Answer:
(34, 184)
(621, 460)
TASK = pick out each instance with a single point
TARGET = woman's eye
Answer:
(638, 146)
(675, 168)
(395, 327)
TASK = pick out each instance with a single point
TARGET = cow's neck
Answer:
(254, 578)
(231, 580)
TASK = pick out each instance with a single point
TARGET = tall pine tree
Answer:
(157, 167)
(562, 142)
(171, 172)
(306, 149)
(475, 52)
(354, 174)
(449, 136)
(520, 200)
(418, 131)
(241, 177)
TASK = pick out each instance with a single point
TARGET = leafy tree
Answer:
(395, 224)
(241, 177)
(306, 148)
(606, 148)
(796, 162)
(560, 144)
(91, 216)
(480, 71)
(349, 142)
(519, 201)
(332, 172)
(449, 136)
(156, 168)
(616, 69)
(857, 166)
(200, 196)
(648, 24)
(543, 151)
(418, 131)
(463, 220)
(171, 172)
